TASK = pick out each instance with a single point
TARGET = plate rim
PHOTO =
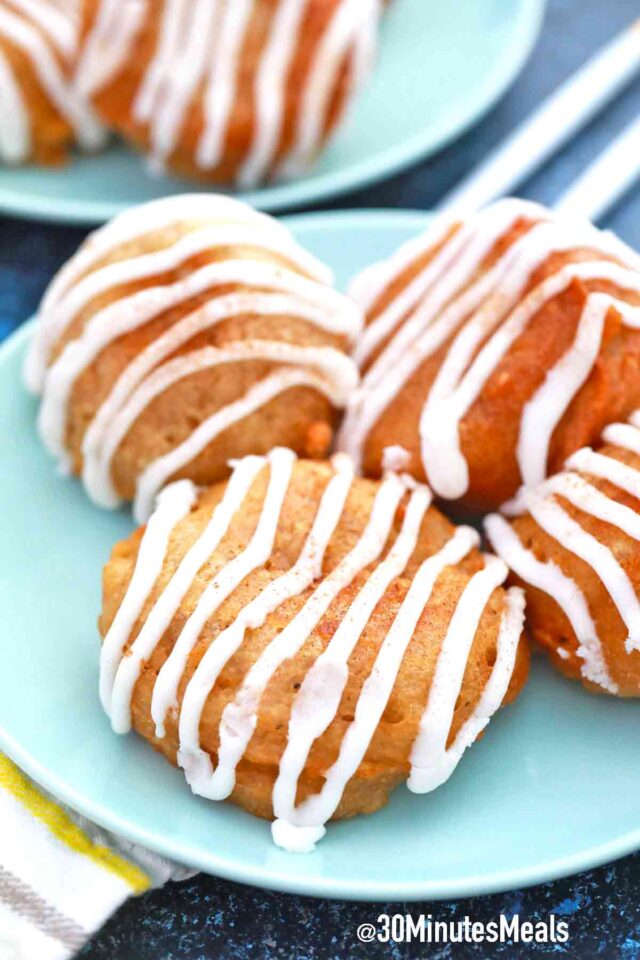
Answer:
(276, 879)
(321, 187)
(326, 888)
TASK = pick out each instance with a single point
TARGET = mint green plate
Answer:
(437, 74)
(554, 786)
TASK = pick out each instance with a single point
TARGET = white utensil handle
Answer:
(607, 179)
(558, 118)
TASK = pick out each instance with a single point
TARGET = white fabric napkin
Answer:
(61, 877)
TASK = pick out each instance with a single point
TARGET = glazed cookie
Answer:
(576, 551)
(185, 333)
(300, 640)
(495, 346)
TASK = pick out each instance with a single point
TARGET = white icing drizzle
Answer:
(167, 603)
(433, 306)
(46, 35)
(188, 32)
(586, 497)
(200, 49)
(368, 286)
(255, 554)
(606, 468)
(511, 627)
(395, 458)
(15, 132)
(195, 762)
(221, 90)
(543, 412)
(173, 504)
(319, 697)
(98, 443)
(322, 690)
(625, 435)
(129, 226)
(548, 577)
(315, 705)
(304, 300)
(166, 52)
(307, 568)
(551, 517)
(349, 22)
(435, 279)
(260, 274)
(56, 314)
(481, 317)
(108, 44)
(296, 287)
(270, 89)
(431, 762)
(366, 45)
(59, 22)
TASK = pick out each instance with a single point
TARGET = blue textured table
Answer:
(206, 917)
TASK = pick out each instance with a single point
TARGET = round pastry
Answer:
(495, 346)
(233, 91)
(299, 640)
(185, 333)
(41, 116)
(576, 551)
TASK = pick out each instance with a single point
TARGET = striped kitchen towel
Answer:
(61, 876)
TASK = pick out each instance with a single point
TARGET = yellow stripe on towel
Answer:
(65, 830)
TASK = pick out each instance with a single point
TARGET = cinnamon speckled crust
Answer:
(547, 623)
(114, 102)
(489, 430)
(386, 762)
(300, 418)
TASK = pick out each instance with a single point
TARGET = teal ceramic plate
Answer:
(437, 74)
(554, 786)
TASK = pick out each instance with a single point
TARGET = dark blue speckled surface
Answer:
(205, 917)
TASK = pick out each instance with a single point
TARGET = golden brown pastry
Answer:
(185, 333)
(41, 116)
(236, 91)
(496, 345)
(299, 640)
(576, 551)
